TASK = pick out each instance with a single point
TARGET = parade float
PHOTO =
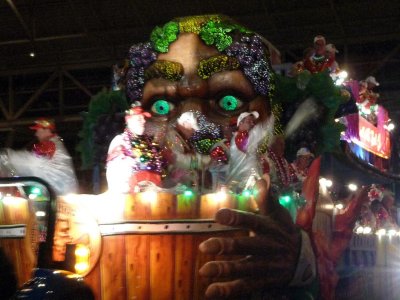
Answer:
(198, 121)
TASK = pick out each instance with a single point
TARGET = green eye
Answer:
(162, 107)
(230, 103)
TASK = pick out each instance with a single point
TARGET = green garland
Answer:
(320, 87)
(214, 30)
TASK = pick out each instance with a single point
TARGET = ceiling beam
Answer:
(20, 19)
(385, 60)
(44, 39)
(36, 95)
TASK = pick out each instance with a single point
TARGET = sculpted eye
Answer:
(162, 107)
(230, 103)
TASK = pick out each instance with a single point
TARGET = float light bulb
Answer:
(246, 193)
(339, 206)
(285, 200)
(352, 187)
(188, 193)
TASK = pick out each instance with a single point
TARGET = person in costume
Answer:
(302, 162)
(318, 61)
(368, 99)
(245, 169)
(48, 159)
(134, 159)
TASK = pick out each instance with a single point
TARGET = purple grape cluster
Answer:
(140, 57)
(252, 55)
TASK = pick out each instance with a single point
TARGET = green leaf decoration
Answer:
(161, 38)
(216, 34)
(322, 89)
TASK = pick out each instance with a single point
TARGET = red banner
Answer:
(375, 139)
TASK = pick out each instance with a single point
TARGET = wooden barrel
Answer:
(150, 244)
(18, 237)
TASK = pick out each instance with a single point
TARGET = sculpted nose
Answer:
(193, 92)
(192, 86)
(193, 104)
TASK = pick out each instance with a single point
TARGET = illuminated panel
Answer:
(374, 139)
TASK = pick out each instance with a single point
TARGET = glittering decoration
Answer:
(242, 140)
(219, 154)
(206, 136)
(146, 153)
(229, 103)
(277, 112)
(254, 60)
(263, 146)
(237, 42)
(44, 149)
(161, 38)
(216, 64)
(164, 69)
(216, 34)
(284, 170)
(193, 24)
(161, 107)
(140, 57)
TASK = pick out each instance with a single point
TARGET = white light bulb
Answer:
(352, 187)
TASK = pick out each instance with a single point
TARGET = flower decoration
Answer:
(161, 38)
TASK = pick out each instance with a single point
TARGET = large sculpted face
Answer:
(189, 75)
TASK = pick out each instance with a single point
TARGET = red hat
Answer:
(44, 124)
(137, 110)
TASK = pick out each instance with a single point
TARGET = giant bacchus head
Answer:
(209, 65)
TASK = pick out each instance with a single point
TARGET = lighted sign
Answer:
(375, 139)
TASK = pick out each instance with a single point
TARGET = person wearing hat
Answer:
(368, 99)
(48, 159)
(245, 168)
(319, 60)
(302, 162)
(133, 158)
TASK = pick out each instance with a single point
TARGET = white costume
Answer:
(245, 167)
(58, 170)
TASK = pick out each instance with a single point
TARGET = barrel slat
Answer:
(112, 267)
(184, 265)
(161, 267)
(137, 266)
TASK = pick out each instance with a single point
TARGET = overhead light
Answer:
(390, 126)
(32, 54)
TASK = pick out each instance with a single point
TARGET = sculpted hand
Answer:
(270, 253)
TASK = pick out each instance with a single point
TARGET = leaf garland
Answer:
(320, 87)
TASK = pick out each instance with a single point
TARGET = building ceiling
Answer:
(76, 42)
